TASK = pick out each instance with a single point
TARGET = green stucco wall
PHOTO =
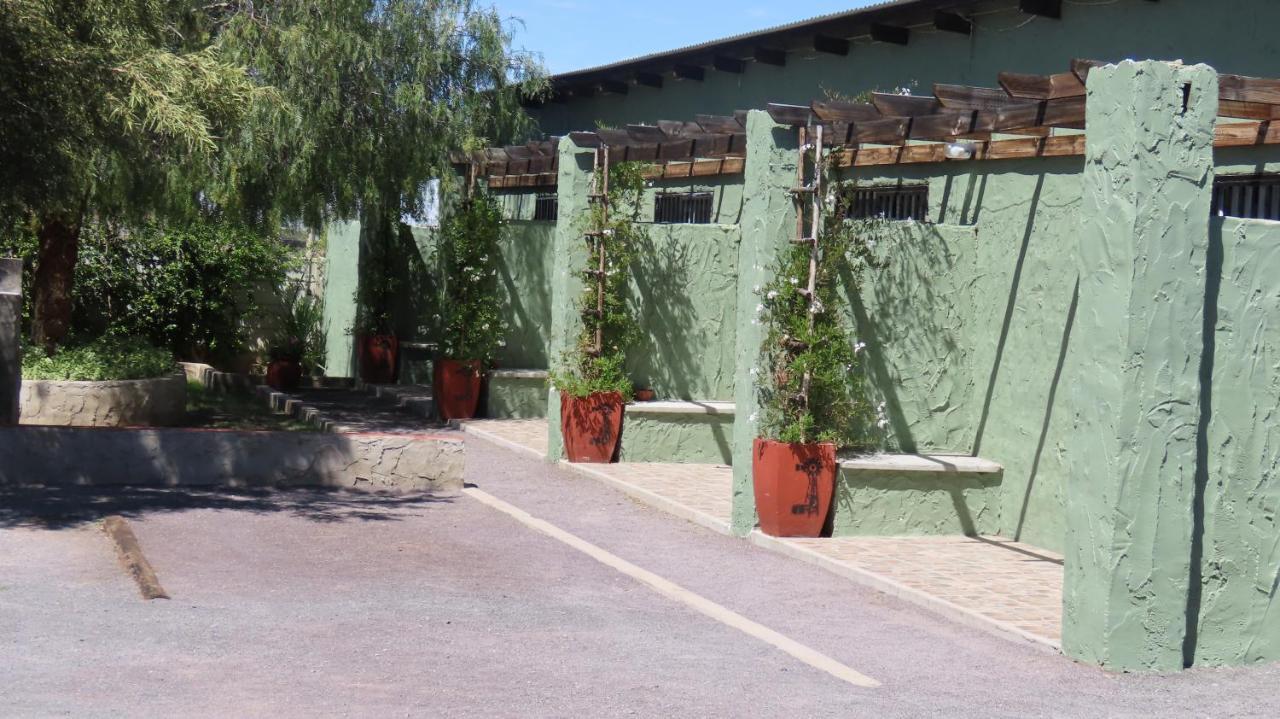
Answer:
(684, 288)
(1239, 611)
(690, 439)
(969, 321)
(1134, 390)
(342, 271)
(896, 504)
(1239, 41)
(524, 286)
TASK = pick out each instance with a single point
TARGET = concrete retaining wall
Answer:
(126, 403)
(56, 456)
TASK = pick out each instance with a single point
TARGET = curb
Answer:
(936, 605)
(135, 562)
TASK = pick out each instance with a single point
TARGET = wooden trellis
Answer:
(711, 145)
(903, 129)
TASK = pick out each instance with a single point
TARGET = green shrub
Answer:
(472, 325)
(188, 288)
(109, 358)
(590, 367)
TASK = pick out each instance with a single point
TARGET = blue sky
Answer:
(576, 34)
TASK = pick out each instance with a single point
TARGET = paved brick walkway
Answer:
(1016, 584)
(989, 581)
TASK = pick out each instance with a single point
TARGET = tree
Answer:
(268, 109)
(106, 105)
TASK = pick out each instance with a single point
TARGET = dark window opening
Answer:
(1250, 197)
(908, 202)
(691, 208)
(546, 208)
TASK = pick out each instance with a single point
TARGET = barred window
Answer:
(692, 208)
(546, 207)
(1251, 197)
(906, 202)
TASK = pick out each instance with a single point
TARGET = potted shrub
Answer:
(812, 398)
(284, 366)
(592, 379)
(472, 329)
(300, 351)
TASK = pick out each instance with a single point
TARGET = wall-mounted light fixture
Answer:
(961, 150)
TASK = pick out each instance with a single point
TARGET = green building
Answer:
(1077, 310)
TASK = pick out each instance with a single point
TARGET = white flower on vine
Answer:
(759, 309)
(859, 346)
(484, 326)
(755, 371)
(871, 244)
(502, 343)
(882, 422)
(756, 289)
(795, 281)
(773, 294)
(816, 308)
(755, 417)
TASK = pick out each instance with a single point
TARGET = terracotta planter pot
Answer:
(457, 384)
(645, 395)
(378, 355)
(793, 486)
(284, 375)
(592, 426)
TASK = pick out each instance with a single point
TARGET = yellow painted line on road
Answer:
(671, 590)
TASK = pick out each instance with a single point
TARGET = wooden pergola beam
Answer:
(1042, 87)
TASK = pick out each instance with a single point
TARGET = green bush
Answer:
(109, 358)
(472, 322)
(188, 288)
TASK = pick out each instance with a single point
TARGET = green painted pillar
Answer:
(342, 279)
(768, 226)
(569, 258)
(1135, 375)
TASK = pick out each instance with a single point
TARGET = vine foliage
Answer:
(597, 362)
(836, 407)
(473, 325)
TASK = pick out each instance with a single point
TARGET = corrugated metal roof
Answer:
(776, 30)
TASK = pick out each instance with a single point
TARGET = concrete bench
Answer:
(917, 494)
(681, 431)
(516, 394)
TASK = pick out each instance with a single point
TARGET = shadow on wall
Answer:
(524, 275)
(684, 295)
(415, 281)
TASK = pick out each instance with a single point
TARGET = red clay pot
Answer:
(284, 375)
(457, 384)
(591, 426)
(645, 395)
(793, 486)
(378, 354)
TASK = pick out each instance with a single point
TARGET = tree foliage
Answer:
(261, 110)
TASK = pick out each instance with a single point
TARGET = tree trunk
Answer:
(55, 276)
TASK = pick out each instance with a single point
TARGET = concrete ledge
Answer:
(681, 407)
(57, 456)
(538, 374)
(958, 464)
(515, 394)
(217, 380)
(157, 402)
(413, 398)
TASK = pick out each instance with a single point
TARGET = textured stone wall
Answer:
(176, 457)
(10, 331)
(1134, 393)
(157, 402)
